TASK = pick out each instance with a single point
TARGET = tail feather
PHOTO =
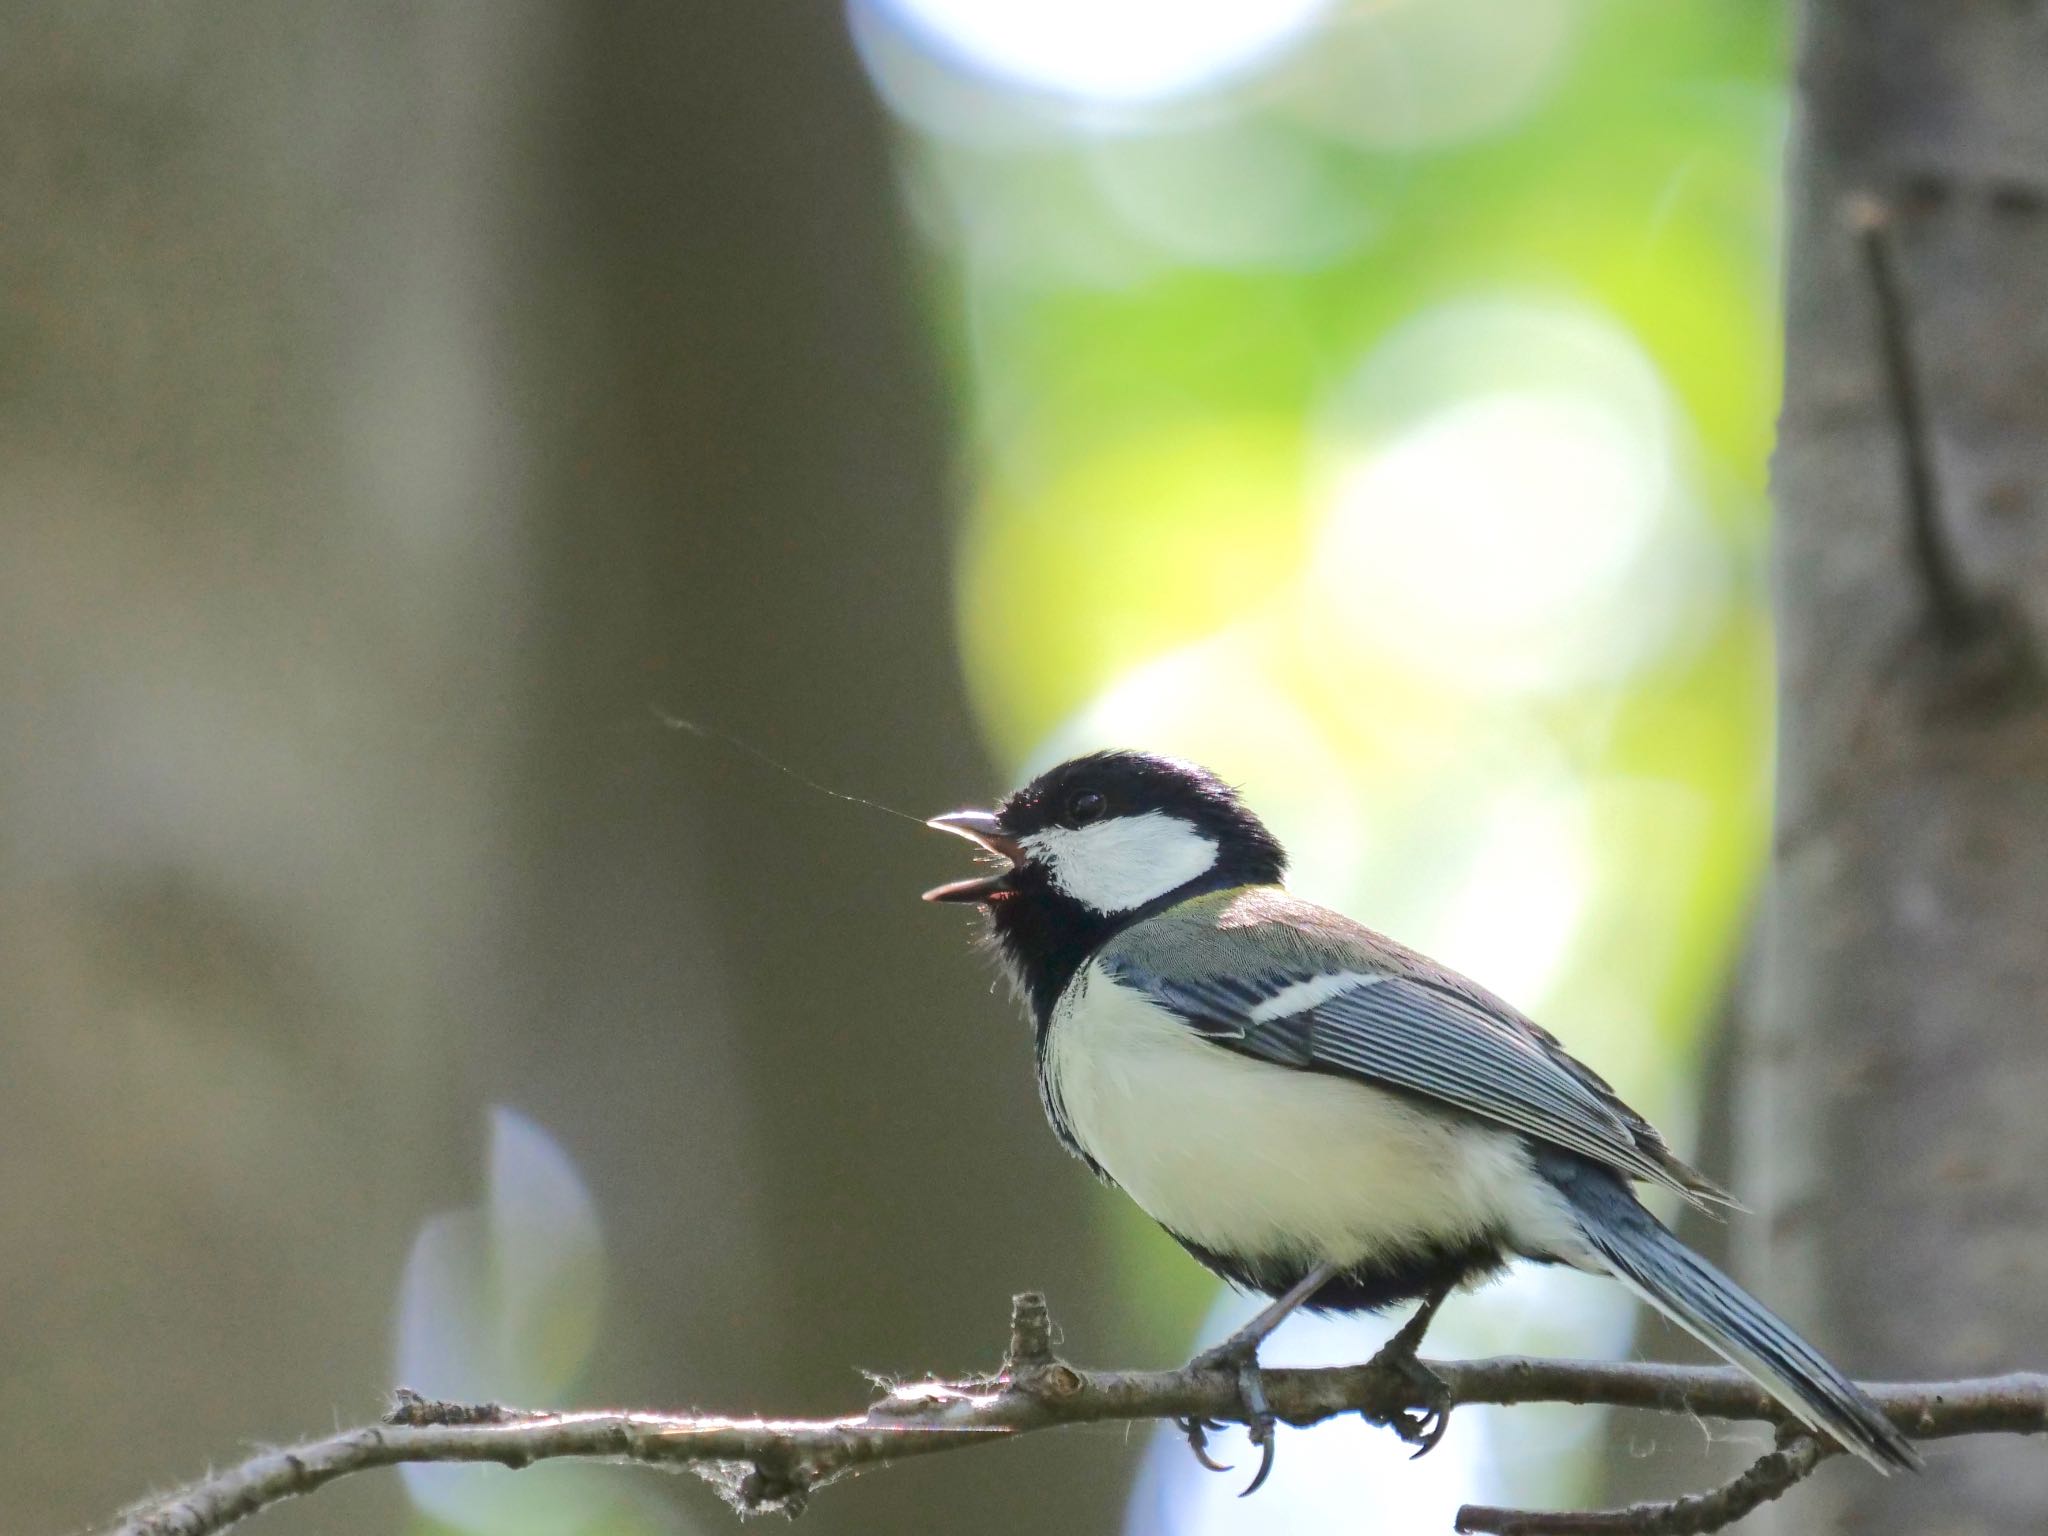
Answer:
(1662, 1271)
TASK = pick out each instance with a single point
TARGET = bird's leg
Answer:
(1421, 1429)
(1239, 1354)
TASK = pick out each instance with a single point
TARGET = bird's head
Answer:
(1098, 841)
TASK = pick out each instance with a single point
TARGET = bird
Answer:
(1317, 1113)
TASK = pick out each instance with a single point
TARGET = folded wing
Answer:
(1425, 1034)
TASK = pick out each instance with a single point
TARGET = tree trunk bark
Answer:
(1896, 1112)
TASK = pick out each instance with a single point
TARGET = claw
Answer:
(1265, 1466)
(1197, 1430)
(1424, 1430)
(1258, 1422)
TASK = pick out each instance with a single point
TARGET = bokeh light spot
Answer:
(1416, 74)
(501, 1303)
(1496, 482)
(1118, 51)
(1142, 547)
(1237, 192)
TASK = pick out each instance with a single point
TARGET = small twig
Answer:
(1692, 1515)
(1955, 613)
(776, 1463)
(1030, 1333)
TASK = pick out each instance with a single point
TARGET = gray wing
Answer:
(1423, 1034)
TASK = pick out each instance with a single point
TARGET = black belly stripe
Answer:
(1371, 1287)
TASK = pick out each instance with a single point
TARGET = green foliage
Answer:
(1478, 617)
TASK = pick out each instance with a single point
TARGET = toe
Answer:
(1197, 1431)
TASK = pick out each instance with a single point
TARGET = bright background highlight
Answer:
(1370, 400)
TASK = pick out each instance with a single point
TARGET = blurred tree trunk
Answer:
(1896, 1106)
(746, 518)
(395, 403)
(256, 603)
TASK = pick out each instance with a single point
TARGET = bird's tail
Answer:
(1727, 1319)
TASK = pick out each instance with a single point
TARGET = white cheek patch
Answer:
(1115, 865)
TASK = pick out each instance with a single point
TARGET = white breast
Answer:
(1247, 1157)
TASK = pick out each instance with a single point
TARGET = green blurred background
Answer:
(402, 409)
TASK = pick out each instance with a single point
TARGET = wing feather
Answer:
(1424, 1033)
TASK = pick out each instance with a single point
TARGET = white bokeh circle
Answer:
(1119, 52)
(1504, 500)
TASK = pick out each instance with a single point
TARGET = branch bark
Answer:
(761, 1464)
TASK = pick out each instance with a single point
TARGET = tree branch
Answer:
(774, 1464)
(1768, 1476)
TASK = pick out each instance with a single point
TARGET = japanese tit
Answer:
(1315, 1112)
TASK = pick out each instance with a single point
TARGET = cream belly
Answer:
(1249, 1158)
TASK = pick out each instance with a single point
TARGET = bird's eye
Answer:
(1084, 805)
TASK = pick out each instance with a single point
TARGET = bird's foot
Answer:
(1421, 1422)
(1240, 1357)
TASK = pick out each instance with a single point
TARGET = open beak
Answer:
(983, 830)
